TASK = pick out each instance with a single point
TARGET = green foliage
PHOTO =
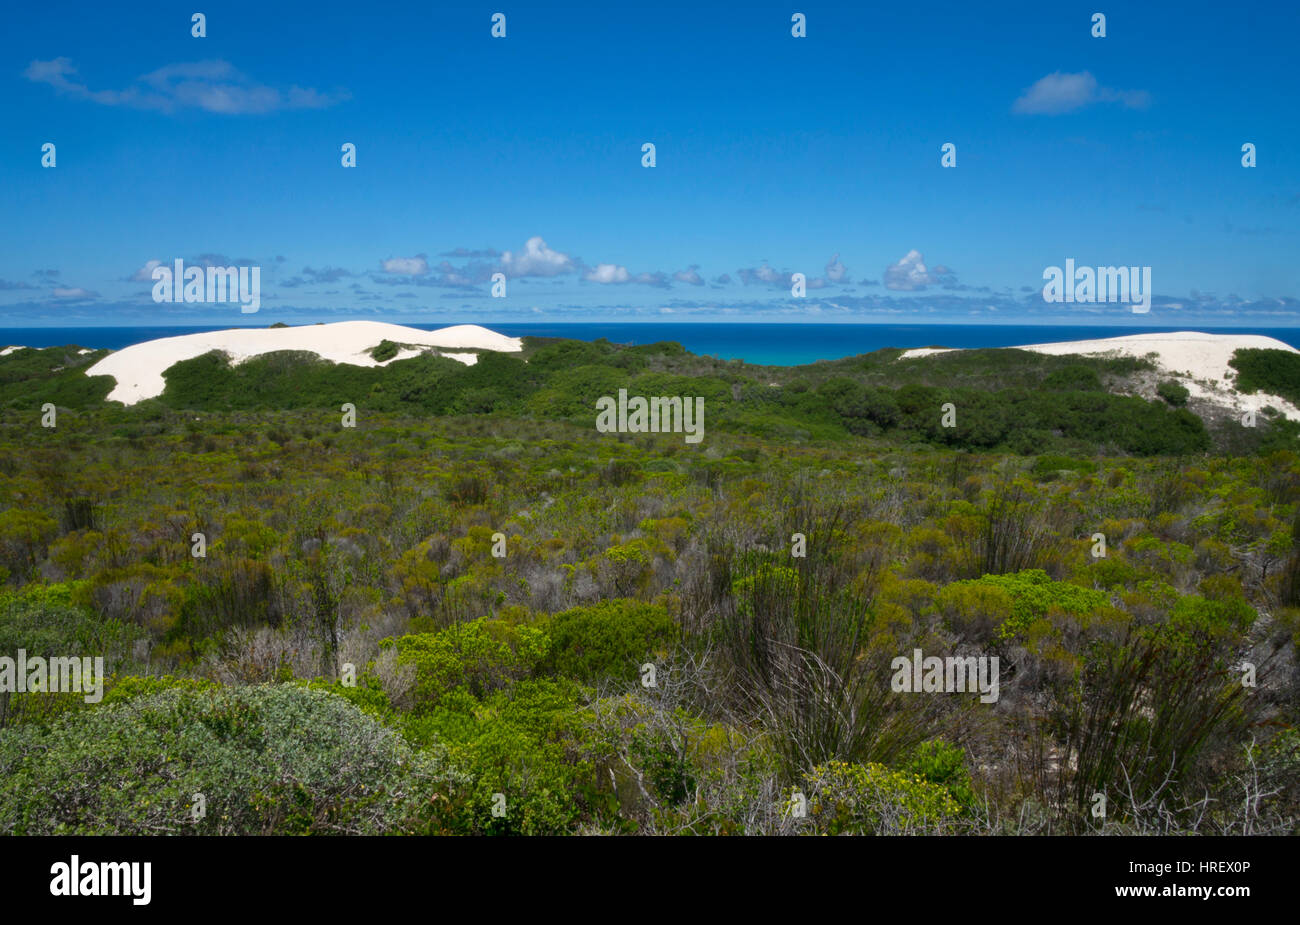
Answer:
(129, 687)
(53, 374)
(133, 768)
(609, 640)
(1276, 372)
(518, 742)
(477, 657)
(1065, 413)
(1014, 400)
(1077, 377)
(44, 621)
(942, 763)
(871, 799)
(1052, 463)
(1034, 595)
(1173, 392)
(373, 545)
(1139, 712)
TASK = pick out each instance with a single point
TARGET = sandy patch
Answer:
(1198, 361)
(138, 369)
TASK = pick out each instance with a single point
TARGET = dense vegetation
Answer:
(1010, 400)
(472, 613)
(1274, 371)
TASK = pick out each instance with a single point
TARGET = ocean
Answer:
(768, 344)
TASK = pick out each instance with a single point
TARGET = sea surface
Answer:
(768, 344)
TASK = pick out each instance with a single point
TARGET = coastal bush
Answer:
(1174, 393)
(607, 641)
(1033, 595)
(280, 759)
(521, 752)
(1148, 713)
(478, 657)
(1274, 371)
(373, 546)
(52, 621)
(871, 799)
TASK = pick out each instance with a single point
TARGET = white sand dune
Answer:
(139, 368)
(1199, 361)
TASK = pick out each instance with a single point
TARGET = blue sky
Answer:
(774, 155)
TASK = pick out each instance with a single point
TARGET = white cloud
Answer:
(75, 293)
(607, 273)
(1057, 93)
(658, 279)
(911, 274)
(763, 274)
(690, 275)
(836, 271)
(213, 86)
(407, 266)
(536, 259)
(145, 273)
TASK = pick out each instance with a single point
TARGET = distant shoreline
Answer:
(763, 343)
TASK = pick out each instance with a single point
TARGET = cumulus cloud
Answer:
(763, 274)
(462, 277)
(607, 273)
(766, 276)
(310, 277)
(1058, 93)
(212, 86)
(325, 274)
(407, 266)
(145, 273)
(911, 274)
(536, 259)
(691, 275)
(657, 279)
(75, 293)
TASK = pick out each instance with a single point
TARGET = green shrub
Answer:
(279, 759)
(1034, 594)
(608, 640)
(1053, 462)
(479, 657)
(521, 742)
(46, 621)
(942, 763)
(871, 799)
(1173, 392)
(1274, 371)
(1074, 377)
